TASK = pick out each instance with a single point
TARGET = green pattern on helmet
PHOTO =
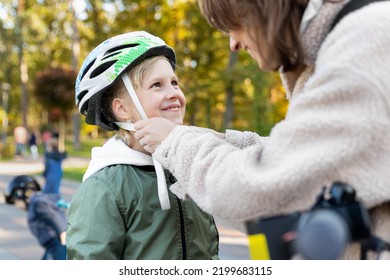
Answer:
(128, 56)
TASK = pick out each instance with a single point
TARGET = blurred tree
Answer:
(219, 94)
(38, 38)
(9, 71)
(54, 89)
(75, 64)
(20, 30)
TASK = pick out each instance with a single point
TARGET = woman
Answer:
(337, 127)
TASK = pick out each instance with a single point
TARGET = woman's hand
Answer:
(150, 133)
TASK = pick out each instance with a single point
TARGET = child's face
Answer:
(160, 94)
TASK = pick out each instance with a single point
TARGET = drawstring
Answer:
(161, 186)
(134, 96)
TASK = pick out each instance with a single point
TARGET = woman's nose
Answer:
(234, 45)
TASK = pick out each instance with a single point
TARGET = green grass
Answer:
(7, 150)
(85, 149)
(74, 173)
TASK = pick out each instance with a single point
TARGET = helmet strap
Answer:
(161, 183)
(134, 96)
(130, 89)
(126, 126)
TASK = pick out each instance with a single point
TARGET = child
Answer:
(53, 167)
(123, 208)
(47, 222)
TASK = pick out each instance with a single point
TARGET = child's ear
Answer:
(120, 110)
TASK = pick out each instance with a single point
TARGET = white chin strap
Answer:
(161, 182)
(126, 126)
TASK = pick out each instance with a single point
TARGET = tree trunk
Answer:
(229, 113)
(75, 60)
(22, 63)
(62, 133)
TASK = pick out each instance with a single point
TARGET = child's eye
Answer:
(156, 85)
(175, 83)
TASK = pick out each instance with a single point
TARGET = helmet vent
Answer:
(84, 108)
(101, 68)
(81, 96)
(87, 68)
(111, 54)
(119, 48)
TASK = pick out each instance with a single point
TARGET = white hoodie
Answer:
(114, 151)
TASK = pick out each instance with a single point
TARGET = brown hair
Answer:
(279, 20)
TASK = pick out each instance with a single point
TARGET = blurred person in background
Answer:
(53, 167)
(20, 138)
(47, 222)
(33, 143)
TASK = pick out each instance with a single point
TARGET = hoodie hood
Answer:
(114, 151)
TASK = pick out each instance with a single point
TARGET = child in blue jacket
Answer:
(47, 222)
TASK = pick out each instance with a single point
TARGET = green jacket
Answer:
(116, 214)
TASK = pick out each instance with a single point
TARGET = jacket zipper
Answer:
(182, 230)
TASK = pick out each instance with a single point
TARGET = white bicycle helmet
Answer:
(106, 64)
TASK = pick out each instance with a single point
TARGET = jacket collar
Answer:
(114, 151)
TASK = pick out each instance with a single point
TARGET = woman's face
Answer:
(160, 94)
(245, 39)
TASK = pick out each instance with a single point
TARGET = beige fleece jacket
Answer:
(337, 128)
